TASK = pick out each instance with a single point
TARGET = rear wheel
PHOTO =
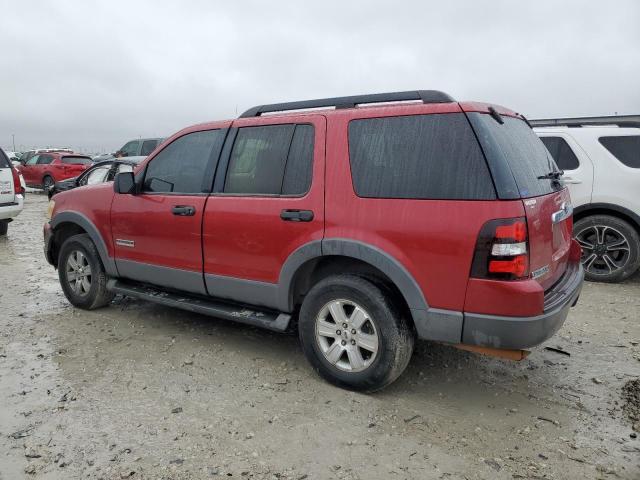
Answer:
(47, 183)
(353, 334)
(610, 248)
(82, 276)
(4, 227)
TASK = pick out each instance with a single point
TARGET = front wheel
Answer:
(610, 248)
(81, 273)
(353, 334)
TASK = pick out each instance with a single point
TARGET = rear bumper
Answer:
(525, 332)
(13, 209)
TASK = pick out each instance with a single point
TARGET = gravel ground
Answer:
(141, 391)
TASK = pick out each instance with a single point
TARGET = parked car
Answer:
(371, 226)
(11, 193)
(98, 173)
(601, 163)
(44, 169)
(26, 156)
(138, 148)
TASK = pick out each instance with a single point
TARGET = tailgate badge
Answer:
(540, 272)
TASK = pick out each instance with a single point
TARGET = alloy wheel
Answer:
(78, 273)
(347, 335)
(604, 249)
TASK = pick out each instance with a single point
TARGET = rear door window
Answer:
(626, 149)
(271, 160)
(561, 152)
(419, 156)
(45, 159)
(513, 144)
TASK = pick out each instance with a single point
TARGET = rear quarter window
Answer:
(420, 157)
(561, 152)
(515, 154)
(625, 148)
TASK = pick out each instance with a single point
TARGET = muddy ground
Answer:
(142, 391)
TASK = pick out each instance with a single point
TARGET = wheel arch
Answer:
(69, 223)
(318, 259)
(617, 211)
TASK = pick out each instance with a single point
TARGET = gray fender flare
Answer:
(353, 249)
(431, 323)
(86, 224)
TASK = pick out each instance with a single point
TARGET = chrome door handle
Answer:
(184, 210)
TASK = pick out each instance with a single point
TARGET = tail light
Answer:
(17, 186)
(502, 250)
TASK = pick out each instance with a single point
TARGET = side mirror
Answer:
(124, 183)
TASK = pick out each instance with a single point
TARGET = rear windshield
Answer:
(514, 143)
(77, 160)
(626, 149)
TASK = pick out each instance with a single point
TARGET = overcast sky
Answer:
(93, 74)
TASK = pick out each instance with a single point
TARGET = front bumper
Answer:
(48, 237)
(525, 332)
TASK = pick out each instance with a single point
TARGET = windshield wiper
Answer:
(553, 175)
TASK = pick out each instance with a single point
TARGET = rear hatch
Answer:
(523, 168)
(7, 190)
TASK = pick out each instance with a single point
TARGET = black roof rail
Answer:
(427, 96)
(618, 120)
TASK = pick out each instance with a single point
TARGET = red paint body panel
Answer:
(549, 243)
(244, 237)
(94, 202)
(161, 238)
(523, 298)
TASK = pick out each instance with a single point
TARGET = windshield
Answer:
(514, 143)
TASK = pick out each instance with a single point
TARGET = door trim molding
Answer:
(168, 277)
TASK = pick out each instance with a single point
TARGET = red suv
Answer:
(43, 170)
(371, 220)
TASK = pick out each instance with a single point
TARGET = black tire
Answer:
(613, 231)
(96, 295)
(47, 183)
(395, 335)
(4, 227)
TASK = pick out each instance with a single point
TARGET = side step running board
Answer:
(264, 319)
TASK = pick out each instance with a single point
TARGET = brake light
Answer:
(17, 186)
(502, 250)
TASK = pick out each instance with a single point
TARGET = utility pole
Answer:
(13, 140)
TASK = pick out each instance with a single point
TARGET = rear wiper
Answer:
(496, 116)
(553, 175)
